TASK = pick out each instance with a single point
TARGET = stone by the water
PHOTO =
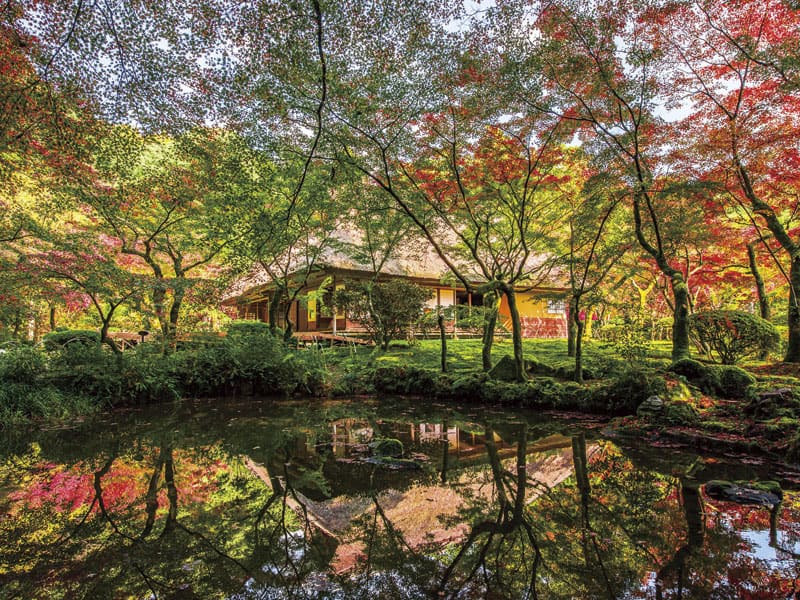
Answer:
(744, 493)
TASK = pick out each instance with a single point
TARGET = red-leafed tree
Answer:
(80, 262)
(732, 64)
(589, 64)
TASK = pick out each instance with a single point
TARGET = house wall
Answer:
(540, 317)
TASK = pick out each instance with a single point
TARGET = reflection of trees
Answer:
(494, 544)
(676, 567)
(165, 520)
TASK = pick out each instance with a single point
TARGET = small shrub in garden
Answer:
(633, 346)
(404, 380)
(732, 335)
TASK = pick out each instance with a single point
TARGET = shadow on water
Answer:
(354, 500)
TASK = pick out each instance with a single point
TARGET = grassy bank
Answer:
(758, 406)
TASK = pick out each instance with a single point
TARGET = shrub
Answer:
(404, 380)
(247, 328)
(387, 310)
(139, 375)
(58, 339)
(255, 364)
(22, 364)
(633, 346)
(731, 335)
(26, 392)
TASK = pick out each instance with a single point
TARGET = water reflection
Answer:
(268, 501)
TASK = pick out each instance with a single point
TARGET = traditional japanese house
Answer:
(542, 308)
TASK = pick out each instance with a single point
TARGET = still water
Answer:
(251, 499)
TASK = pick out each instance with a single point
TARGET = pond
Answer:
(258, 499)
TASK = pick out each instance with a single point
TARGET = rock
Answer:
(652, 407)
(387, 447)
(680, 413)
(766, 404)
(504, 370)
(763, 493)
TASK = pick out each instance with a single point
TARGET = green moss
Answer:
(680, 413)
(504, 369)
(387, 447)
(720, 426)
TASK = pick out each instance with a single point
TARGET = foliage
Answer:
(25, 390)
(56, 339)
(404, 380)
(386, 309)
(241, 329)
(632, 345)
(257, 363)
(731, 336)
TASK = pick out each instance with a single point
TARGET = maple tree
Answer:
(742, 131)
(160, 199)
(77, 261)
(591, 68)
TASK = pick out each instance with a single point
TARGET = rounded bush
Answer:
(732, 335)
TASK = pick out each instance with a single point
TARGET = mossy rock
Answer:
(774, 403)
(733, 381)
(534, 367)
(793, 451)
(760, 493)
(387, 447)
(678, 391)
(504, 370)
(680, 413)
(726, 381)
(698, 374)
(652, 408)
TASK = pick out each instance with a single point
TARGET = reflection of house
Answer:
(541, 309)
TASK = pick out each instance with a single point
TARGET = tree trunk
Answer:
(516, 333)
(575, 319)
(287, 333)
(764, 308)
(274, 305)
(159, 297)
(489, 325)
(680, 317)
(572, 331)
(104, 339)
(52, 318)
(443, 338)
(175, 312)
(793, 349)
